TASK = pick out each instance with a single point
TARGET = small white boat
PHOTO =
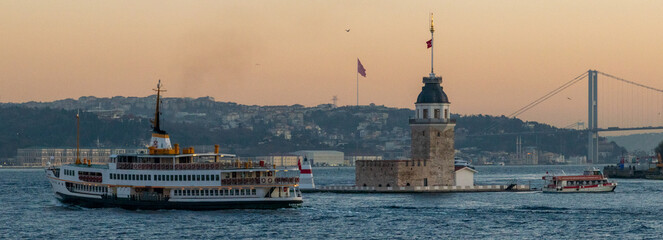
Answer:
(590, 181)
(459, 162)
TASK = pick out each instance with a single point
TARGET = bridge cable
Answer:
(548, 95)
(541, 99)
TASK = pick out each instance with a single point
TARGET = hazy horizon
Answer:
(494, 56)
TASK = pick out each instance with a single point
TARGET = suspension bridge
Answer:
(626, 106)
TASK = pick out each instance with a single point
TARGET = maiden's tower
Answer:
(432, 131)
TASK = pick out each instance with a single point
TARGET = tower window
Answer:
(446, 113)
(425, 113)
(437, 113)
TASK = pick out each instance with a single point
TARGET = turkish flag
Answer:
(429, 43)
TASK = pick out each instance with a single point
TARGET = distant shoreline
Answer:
(20, 167)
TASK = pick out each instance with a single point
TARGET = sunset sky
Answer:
(494, 56)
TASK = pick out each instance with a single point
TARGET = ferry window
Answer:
(181, 178)
(149, 177)
(217, 177)
(140, 177)
(197, 177)
(189, 177)
(236, 191)
(253, 192)
(232, 192)
(234, 175)
(188, 192)
(207, 177)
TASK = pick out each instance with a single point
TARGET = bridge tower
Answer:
(592, 118)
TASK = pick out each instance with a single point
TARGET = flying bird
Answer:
(347, 30)
(568, 98)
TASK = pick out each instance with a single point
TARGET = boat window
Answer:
(207, 177)
(217, 177)
(197, 177)
(189, 177)
(253, 192)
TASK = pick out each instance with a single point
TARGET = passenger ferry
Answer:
(590, 181)
(167, 178)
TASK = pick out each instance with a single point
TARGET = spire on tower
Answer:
(432, 29)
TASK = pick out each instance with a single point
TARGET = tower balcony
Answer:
(431, 121)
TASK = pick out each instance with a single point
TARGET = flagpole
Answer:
(357, 73)
(432, 29)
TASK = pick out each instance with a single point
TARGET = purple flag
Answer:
(360, 68)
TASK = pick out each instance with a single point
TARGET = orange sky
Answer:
(494, 56)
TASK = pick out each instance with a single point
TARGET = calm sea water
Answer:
(29, 210)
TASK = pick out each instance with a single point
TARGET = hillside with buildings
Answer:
(249, 130)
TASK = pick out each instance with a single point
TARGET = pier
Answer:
(428, 189)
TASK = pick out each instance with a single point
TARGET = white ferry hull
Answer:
(610, 187)
(100, 202)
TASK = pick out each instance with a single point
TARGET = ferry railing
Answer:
(260, 181)
(192, 166)
(89, 178)
(155, 197)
